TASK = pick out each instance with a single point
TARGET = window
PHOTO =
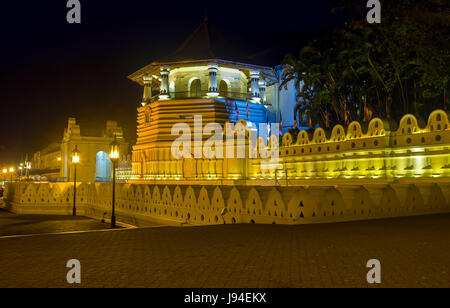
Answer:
(196, 88)
(223, 88)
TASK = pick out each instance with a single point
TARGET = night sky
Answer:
(51, 70)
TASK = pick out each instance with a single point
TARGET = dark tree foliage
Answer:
(386, 70)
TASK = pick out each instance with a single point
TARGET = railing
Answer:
(204, 94)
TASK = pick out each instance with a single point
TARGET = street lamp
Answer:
(12, 171)
(4, 174)
(75, 161)
(20, 171)
(114, 156)
(27, 167)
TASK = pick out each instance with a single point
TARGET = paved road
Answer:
(13, 224)
(414, 252)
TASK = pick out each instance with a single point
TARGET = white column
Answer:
(212, 85)
(262, 90)
(147, 89)
(164, 89)
(254, 77)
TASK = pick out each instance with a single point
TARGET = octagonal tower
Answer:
(200, 78)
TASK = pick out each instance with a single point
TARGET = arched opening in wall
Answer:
(102, 167)
(195, 90)
(223, 88)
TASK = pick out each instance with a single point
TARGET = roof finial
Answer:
(206, 16)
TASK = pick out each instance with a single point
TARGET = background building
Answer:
(54, 163)
(47, 162)
(94, 164)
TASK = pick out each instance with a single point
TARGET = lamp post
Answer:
(4, 175)
(20, 171)
(114, 156)
(75, 161)
(27, 168)
(12, 171)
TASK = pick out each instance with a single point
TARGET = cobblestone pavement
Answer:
(414, 252)
(13, 224)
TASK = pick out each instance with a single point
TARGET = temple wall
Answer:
(140, 204)
(376, 154)
(349, 175)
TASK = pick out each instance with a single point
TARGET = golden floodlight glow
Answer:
(5, 170)
(11, 169)
(75, 155)
(114, 153)
(59, 158)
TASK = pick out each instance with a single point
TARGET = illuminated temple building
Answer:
(361, 171)
(201, 79)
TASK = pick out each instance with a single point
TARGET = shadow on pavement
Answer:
(17, 224)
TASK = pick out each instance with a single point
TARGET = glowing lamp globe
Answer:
(75, 156)
(114, 147)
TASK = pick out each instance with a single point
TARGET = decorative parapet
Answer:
(437, 125)
(353, 153)
(215, 204)
(378, 153)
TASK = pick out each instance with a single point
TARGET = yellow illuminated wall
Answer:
(378, 153)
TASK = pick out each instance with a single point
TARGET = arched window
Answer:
(196, 88)
(102, 167)
(223, 88)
